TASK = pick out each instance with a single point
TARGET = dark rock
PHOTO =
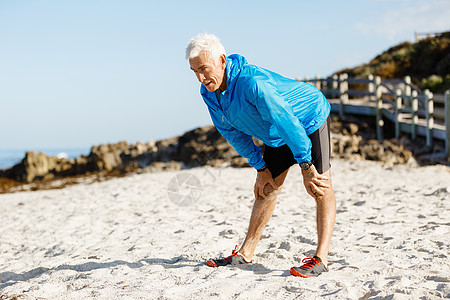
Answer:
(106, 157)
(167, 149)
(204, 146)
(353, 128)
(353, 138)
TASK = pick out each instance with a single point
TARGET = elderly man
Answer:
(290, 117)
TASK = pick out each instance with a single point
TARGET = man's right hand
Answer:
(262, 179)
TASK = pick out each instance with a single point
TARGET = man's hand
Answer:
(262, 179)
(315, 182)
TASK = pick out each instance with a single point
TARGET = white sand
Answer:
(124, 238)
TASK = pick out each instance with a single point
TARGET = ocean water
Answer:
(11, 157)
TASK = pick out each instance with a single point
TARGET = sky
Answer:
(82, 73)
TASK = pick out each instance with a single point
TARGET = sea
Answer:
(11, 157)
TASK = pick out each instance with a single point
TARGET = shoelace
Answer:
(234, 252)
(311, 262)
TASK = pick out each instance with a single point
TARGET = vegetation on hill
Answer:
(426, 61)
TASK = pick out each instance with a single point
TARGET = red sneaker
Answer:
(312, 267)
(234, 259)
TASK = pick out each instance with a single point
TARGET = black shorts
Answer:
(280, 159)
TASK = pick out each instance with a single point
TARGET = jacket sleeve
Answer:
(274, 109)
(241, 142)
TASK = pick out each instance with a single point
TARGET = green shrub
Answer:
(436, 83)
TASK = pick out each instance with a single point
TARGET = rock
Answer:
(389, 151)
(35, 165)
(239, 162)
(372, 150)
(106, 157)
(167, 149)
(353, 128)
(217, 162)
(61, 165)
(48, 177)
(345, 144)
(80, 165)
(349, 142)
(162, 166)
(173, 166)
(204, 146)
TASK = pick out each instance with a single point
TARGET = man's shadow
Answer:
(10, 278)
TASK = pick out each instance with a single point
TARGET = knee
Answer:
(268, 189)
(270, 193)
(328, 195)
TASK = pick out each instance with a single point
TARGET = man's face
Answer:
(209, 72)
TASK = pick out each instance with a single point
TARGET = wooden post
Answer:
(323, 85)
(398, 108)
(341, 111)
(343, 95)
(414, 116)
(334, 86)
(379, 106)
(429, 114)
(335, 83)
(371, 87)
(408, 89)
(447, 122)
(318, 83)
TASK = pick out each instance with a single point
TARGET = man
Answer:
(290, 117)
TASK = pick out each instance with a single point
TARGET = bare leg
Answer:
(261, 213)
(325, 218)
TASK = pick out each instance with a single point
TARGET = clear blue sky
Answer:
(79, 73)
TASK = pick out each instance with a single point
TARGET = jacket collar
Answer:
(235, 63)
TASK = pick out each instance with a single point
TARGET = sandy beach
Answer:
(147, 236)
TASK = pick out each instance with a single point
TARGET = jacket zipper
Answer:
(219, 108)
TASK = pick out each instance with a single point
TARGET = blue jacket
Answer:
(265, 105)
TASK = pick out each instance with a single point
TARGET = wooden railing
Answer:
(411, 110)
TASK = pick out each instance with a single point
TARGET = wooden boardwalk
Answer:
(415, 112)
(366, 108)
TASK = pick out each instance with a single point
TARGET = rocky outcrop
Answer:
(351, 139)
(205, 146)
(354, 139)
(198, 147)
(102, 158)
(38, 166)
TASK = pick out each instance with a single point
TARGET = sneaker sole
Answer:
(298, 274)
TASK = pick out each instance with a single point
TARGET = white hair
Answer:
(205, 42)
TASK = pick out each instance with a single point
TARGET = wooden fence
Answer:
(411, 110)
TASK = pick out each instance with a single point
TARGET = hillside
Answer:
(426, 61)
